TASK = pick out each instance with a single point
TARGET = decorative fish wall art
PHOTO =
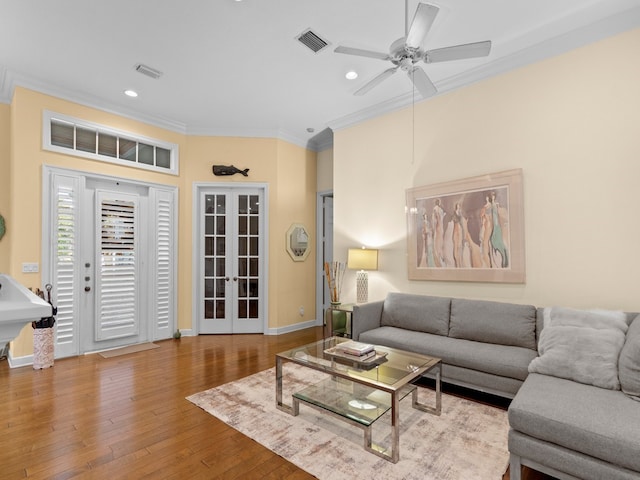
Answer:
(224, 170)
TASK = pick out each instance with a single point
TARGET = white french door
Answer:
(109, 252)
(231, 274)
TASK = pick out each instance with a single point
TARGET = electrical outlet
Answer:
(28, 267)
(302, 311)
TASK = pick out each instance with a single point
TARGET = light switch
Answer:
(29, 267)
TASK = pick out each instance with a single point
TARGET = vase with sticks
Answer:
(334, 272)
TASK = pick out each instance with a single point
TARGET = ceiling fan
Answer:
(407, 51)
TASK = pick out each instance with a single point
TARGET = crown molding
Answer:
(579, 36)
(14, 79)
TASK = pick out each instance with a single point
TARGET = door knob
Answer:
(87, 289)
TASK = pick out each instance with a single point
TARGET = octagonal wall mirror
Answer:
(298, 242)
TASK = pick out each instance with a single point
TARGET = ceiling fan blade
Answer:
(422, 21)
(458, 52)
(362, 53)
(422, 82)
(376, 81)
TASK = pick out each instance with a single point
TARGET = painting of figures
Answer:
(467, 230)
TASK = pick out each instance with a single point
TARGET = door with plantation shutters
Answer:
(110, 254)
(117, 266)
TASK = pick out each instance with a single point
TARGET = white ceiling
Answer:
(236, 69)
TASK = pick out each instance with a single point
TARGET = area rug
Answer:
(116, 352)
(469, 439)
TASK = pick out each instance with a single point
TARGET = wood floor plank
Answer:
(127, 417)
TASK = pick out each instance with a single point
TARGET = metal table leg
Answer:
(294, 409)
(437, 409)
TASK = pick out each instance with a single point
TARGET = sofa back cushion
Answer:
(629, 362)
(420, 313)
(493, 322)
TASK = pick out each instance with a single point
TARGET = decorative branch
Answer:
(334, 273)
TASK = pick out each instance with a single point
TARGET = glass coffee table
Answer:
(361, 392)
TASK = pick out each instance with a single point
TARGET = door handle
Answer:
(226, 279)
(87, 288)
(235, 279)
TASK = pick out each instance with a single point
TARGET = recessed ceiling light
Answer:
(351, 75)
(131, 93)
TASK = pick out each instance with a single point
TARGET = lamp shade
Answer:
(362, 259)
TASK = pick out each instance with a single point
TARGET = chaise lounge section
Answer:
(577, 416)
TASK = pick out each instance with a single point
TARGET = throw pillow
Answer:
(582, 346)
(561, 316)
(629, 362)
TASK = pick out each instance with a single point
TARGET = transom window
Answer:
(84, 139)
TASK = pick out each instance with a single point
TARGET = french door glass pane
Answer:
(209, 246)
(208, 309)
(209, 288)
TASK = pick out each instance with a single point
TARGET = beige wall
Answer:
(5, 182)
(295, 202)
(569, 123)
(288, 170)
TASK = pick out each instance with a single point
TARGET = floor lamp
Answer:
(362, 259)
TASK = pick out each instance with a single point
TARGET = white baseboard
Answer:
(292, 328)
(15, 362)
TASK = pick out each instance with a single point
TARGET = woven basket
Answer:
(42, 348)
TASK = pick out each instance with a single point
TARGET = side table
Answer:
(338, 320)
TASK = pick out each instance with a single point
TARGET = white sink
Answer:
(18, 307)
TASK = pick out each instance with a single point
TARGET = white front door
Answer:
(232, 277)
(110, 257)
(113, 306)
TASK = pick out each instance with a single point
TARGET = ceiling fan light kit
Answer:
(407, 51)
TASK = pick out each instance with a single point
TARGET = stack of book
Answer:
(357, 350)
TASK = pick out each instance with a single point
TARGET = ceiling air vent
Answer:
(312, 40)
(148, 71)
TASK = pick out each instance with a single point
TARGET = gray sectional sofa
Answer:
(566, 428)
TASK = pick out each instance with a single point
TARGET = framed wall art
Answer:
(469, 230)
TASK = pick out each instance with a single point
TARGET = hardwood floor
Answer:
(127, 417)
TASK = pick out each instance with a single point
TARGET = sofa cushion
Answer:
(629, 362)
(493, 322)
(420, 313)
(502, 360)
(595, 421)
(581, 345)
